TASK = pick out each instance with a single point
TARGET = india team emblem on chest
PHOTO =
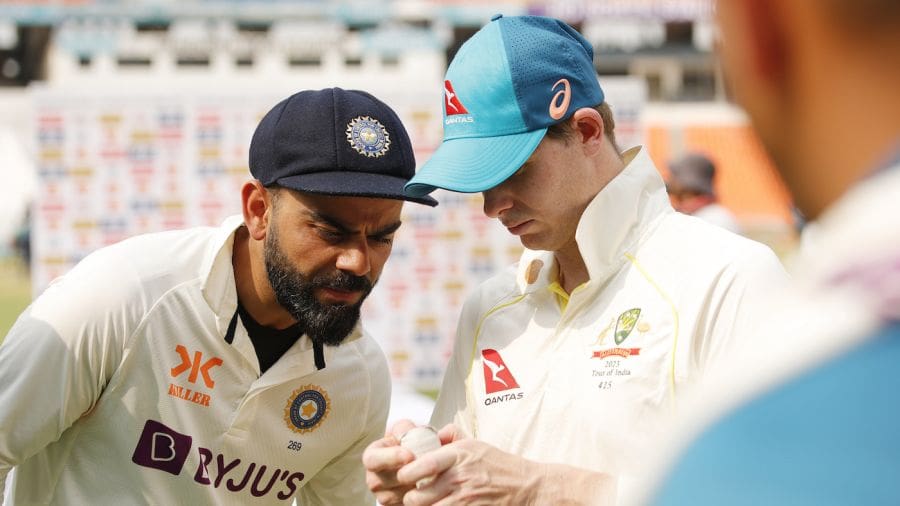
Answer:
(306, 408)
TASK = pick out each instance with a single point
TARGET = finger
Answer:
(385, 442)
(429, 464)
(385, 481)
(383, 456)
(400, 427)
(450, 433)
(389, 498)
(436, 491)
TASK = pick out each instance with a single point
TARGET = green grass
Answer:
(15, 292)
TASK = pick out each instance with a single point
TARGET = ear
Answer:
(588, 127)
(256, 204)
(765, 37)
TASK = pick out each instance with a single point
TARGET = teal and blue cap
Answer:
(509, 82)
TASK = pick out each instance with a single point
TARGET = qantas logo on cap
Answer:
(452, 105)
(497, 377)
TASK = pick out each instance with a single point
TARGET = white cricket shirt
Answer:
(586, 385)
(120, 388)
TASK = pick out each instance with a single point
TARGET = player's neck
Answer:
(572, 269)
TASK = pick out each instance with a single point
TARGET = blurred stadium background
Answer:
(123, 117)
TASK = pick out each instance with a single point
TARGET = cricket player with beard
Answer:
(222, 365)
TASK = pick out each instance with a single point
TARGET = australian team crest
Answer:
(368, 137)
(306, 408)
(625, 324)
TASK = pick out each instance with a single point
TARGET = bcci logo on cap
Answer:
(306, 408)
(368, 137)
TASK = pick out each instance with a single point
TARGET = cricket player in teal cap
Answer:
(616, 306)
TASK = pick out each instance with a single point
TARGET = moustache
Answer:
(343, 281)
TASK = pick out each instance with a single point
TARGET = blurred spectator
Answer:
(21, 242)
(691, 190)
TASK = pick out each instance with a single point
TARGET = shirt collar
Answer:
(623, 212)
(218, 284)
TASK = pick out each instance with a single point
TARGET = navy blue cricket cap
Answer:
(334, 142)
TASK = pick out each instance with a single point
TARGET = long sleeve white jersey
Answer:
(587, 384)
(119, 387)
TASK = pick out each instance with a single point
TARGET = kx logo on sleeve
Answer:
(196, 366)
(160, 447)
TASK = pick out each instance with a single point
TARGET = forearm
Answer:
(566, 485)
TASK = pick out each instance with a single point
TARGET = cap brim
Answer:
(353, 184)
(474, 164)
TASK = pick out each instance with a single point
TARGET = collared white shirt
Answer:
(119, 387)
(585, 385)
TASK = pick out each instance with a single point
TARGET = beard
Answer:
(327, 324)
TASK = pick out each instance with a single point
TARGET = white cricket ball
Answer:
(420, 440)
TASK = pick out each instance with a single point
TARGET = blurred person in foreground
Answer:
(691, 187)
(617, 305)
(816, 422)
(222, 365)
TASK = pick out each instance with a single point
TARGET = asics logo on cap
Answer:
(559, 104)
(452, 104)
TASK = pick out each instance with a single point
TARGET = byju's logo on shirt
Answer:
(160, 447)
